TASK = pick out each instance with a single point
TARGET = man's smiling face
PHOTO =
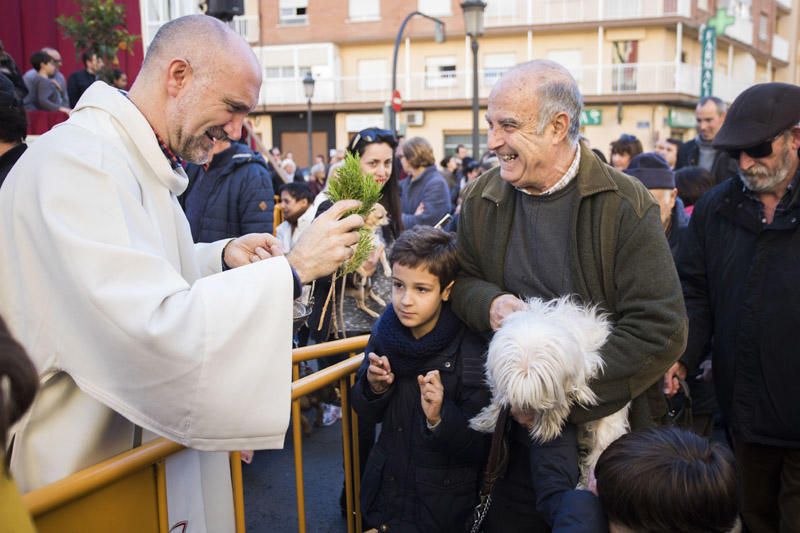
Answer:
(210, 106)
(523, 151)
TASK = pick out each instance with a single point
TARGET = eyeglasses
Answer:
(756, 152)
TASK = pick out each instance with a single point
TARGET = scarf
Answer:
(408, 355)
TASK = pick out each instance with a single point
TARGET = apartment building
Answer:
(637, 62)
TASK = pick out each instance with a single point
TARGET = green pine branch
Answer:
(349, 183)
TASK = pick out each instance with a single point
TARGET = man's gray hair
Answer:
(560, 94)
(722, 107)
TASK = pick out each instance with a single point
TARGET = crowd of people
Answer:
(146, 286)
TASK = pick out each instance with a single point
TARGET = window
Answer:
(702, 4)
(372, 75)
(624, 68)
(763, 27)
(434, 7)
(494, 65)
(569, 59)
(364, 10)
(440, 72)
(293, 12)
(279, 72)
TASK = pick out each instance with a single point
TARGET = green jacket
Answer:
(620, 260)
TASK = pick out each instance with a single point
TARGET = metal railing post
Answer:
(297, 438)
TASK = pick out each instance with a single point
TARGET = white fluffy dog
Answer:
(541, 361)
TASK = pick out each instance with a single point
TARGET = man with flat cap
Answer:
(740, 265)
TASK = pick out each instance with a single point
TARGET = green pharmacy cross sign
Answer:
(715, 25)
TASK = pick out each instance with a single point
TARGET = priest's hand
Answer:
(251, 248)
(326, 243)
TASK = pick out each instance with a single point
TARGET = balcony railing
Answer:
(518, 12)
(780, 48)
(786, 4)
(593, 80)
(248, 27)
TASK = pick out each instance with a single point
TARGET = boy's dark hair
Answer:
(433, 248)
(627, 144)
(692, 183)
(39, 58)
(676, 142)
(298, 191)
(666, 480)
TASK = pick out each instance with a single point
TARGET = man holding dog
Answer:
(739, 267)
(128, 321)
(553, 220)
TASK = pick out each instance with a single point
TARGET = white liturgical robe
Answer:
(128, 321)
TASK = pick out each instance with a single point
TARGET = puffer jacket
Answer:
(233, 197)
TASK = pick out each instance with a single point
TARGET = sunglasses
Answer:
(756, 152)
(372, 135)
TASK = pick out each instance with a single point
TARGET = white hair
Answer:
(542, 359)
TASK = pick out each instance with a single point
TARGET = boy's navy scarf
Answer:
(407, 355)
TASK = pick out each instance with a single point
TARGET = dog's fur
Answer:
(543, 359)
(362, 278)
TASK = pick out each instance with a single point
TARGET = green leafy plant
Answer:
(350, 183)
(99, 27)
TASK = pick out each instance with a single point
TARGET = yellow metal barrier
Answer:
(344, 373)
(131, 487)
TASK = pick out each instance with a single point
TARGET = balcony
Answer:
(780, 48)
(527, 12)
(248, 27)
(593, 80)
(741, 30)
(785, 4)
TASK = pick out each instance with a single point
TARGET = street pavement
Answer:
(269, 485)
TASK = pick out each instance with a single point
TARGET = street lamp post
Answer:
(439, 36)
(473, 23)
(308, 87)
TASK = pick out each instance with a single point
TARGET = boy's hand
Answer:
(379, 374)
(431, 393)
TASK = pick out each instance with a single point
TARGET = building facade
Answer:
(637, 62)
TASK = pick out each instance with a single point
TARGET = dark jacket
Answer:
(740, 282)
(430, 188)
(8, 159)
(232, 198)
(680, 221)
(689, 156)
(417, 480)
(620, 260)
(77, 84)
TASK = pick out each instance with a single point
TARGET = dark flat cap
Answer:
(652, 170)
(758, 114)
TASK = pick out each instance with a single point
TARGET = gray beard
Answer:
(758, 180)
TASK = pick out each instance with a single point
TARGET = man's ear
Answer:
(560, 126)
(179, 72)
(795, 138)
(446, 291)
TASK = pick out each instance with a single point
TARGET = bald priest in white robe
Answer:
(129, 322)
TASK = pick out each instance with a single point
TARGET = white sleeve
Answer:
(206, 364)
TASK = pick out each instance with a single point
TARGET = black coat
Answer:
(233, 198)
(418, 480)
(689, 156)
(741, 283)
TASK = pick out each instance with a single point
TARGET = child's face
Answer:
(292, 209)
(417, 298)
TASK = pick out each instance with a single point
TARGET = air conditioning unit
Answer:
(415, 118)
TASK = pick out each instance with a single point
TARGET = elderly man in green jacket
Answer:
(553, 220)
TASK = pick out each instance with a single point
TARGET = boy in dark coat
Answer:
(423, 380)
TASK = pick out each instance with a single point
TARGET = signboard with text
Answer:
(591, 117)
(716, 26)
